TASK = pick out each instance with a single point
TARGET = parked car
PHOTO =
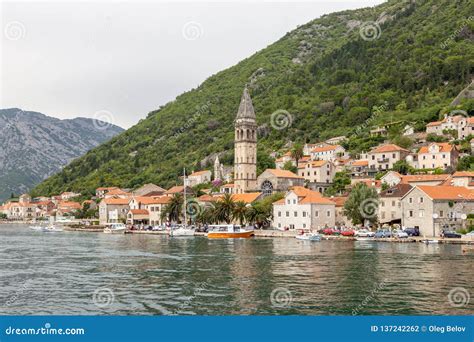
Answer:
(348, 232)
(412, 231)
(328, 231)
(450, 234)
(383, 233)
(398, 233)
(364, 233)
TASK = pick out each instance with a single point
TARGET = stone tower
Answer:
(245, 150)
(217, 169)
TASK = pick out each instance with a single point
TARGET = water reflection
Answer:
(58, 274)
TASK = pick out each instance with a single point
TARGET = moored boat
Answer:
(115, 228)
(182, 231)
(52, 228)
(308, 236)
(229, 231)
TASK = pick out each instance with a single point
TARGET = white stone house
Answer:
(199, 177)
(390, 205)
(328, 152)
(302, 208)
(113, 210)
(384, 157)
(438, 155)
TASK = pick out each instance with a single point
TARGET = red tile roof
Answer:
(454, 193)
(283, 173)
(388, 148)
(443, 147)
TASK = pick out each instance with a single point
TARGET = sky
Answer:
(117, 61)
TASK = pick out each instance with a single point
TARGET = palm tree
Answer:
(223, 209)
(205, 216)
(240, 212)
(260, 215)
(174, 208)
(297, 153)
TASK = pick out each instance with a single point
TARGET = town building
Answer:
(328, 152)
(102, 191)
(462, 124)
(463, 178)
(318, 174)
(245, 150)
(432, 209)
(302, 208)
(438, 155)
(341, 219)
(359, 168)
(390, 205)
(384, 157)
(274, 180)
(113, 210)
(149, 189)
(199, 177)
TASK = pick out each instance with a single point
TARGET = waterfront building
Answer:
(464, 126)
(434, 208)
(274, 180)
(113, 210)
(383, 157)
(227, 188)
(341, 219)
(390, 205)
(438, 155)
(302, 208)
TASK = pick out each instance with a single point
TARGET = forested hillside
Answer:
(337, 75)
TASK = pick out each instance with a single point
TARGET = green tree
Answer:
(297, 153)
(290, 167)
(466, 164)
(173, 210)
(341, 180)
(402, 167)
(223, 209)
(362, 204)
(240, 212)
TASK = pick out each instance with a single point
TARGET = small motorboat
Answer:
(52, 229)
(229, 231)
(181, 231)
(429, 242)
(37, 228)
(115, 228)
(308, 236)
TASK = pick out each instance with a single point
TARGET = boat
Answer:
(52, 228)
(308, 236)
(429, 242)
(182, 231)
(229, 231)
(37, 228)
(115, 228)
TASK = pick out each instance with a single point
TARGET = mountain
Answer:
(340, 74)
(34, 146)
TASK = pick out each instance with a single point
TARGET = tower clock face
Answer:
(267, 187)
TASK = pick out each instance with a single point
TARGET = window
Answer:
(316, 213)
(382, 203)
(410, 213)
(441, 213)
(383, 214)
(288, 202)
(393, 203)
(410, 200)
(304, 225)
(294, 201)
(421, 213)
(287, 214)
(421, 199)
(328, 213)
(296, 214)
(279, 225)
(279, 214)
(304, 213)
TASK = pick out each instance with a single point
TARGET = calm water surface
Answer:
(91, 274)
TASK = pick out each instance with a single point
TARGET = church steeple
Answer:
(246, 106)
(245, 153)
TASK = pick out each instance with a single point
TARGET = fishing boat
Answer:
(115, 228)
(37, 228)
(308, 236)
(229, 231)
(429, 242)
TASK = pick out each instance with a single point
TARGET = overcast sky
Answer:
(69, 59)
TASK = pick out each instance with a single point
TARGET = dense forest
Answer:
(341, 74)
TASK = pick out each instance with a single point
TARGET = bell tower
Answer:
(245, 149)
